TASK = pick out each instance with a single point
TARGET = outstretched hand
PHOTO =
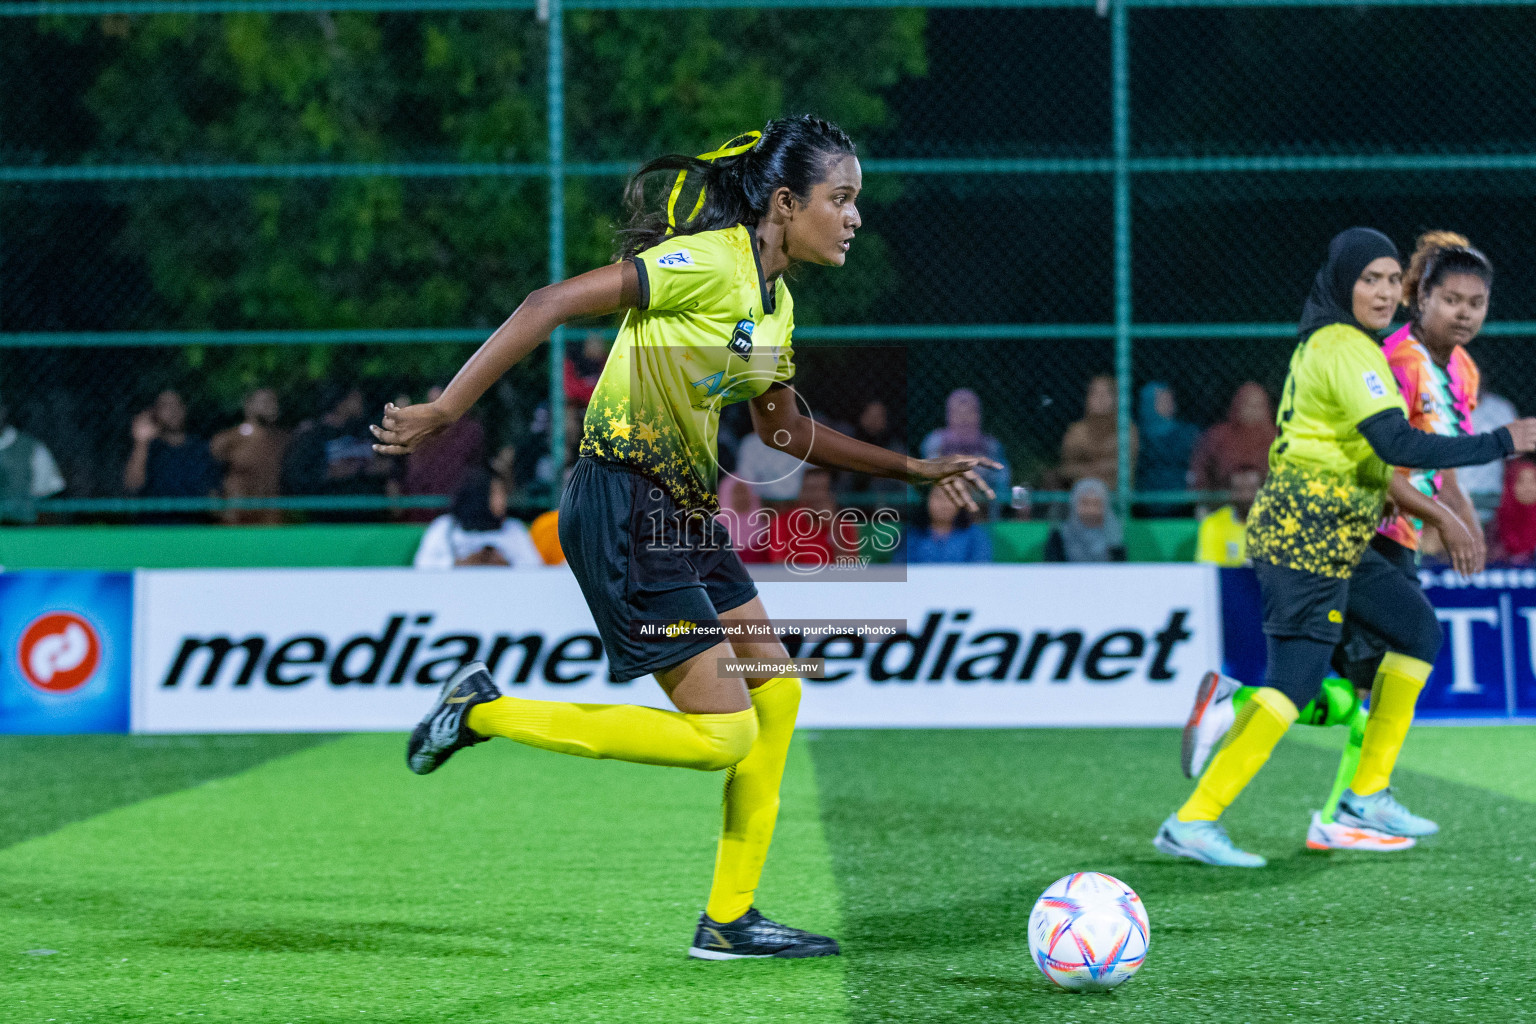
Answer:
(404, 430)
(956, 476)
(1465, 546)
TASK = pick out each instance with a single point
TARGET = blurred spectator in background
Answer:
(1222, 538)
(1090, 448)
(1091, 532)
(505, 467)
(27, 471)
(476, 530)
(943, 532)
(735, 425)
(775, 475)
(440, 464)
(252, 454)
(874, 427)
(1240, 441)
(544, 531)
(961, 435)
(809, 532)
(544, 469)
(1485, 484)
(166, 461)
(1512, 540)
(741, 512)
(333, 455)
(1166, 444)
(583, 366)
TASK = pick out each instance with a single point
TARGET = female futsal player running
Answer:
(1446, 290)
(1343, 425)
(708, 322)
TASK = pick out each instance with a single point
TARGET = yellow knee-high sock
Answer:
(752, 801)
(1259, 726)
(1393, 696)
(623, 732)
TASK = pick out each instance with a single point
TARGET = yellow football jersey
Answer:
(1323, 498)
(708, 332)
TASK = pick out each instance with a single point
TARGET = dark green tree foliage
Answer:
(369, 87)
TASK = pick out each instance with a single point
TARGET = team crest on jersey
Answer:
(741, 340)
(681, 258)
(711, 385)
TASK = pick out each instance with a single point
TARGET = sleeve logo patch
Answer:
(681, 258)
(741, 339)
(1374, 385)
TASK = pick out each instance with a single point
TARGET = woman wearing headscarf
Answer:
(1446, 289)
(1343, 426)
(1514, 524)
(1091, 446)
(1166, 444)
(1237, 442)
(961, 434)
(1092, 532)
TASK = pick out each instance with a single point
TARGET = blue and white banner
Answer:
(1487, 664)
(66, 639)
(998, 645)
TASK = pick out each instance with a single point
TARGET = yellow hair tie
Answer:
(735, 147)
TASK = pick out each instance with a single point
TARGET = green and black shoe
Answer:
(754, 936)
(445, 729)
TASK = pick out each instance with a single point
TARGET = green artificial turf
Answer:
(331, 885)
(943, 840)
(49, 781)
(1501, 758)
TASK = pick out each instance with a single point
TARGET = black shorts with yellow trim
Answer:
(644, 563)
(1301, 603)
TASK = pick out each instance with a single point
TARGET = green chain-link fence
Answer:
(217, 195)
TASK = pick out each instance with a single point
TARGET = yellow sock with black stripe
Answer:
(1394, 694)
(1259, 726)
(622, 732)
(752, 801)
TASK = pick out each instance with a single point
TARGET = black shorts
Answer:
(639, 558)
(1360, 641)
(1381, 602)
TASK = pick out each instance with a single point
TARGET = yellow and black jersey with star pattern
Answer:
(708, 332)
(1323, 498)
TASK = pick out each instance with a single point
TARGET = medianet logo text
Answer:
(947, 648)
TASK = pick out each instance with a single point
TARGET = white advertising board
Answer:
(360, 649)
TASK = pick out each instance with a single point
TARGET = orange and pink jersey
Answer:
(1440, 401)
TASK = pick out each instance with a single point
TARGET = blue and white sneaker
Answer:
(1382, 812)
(1209, 719)
(1205, 841)
(445, 729)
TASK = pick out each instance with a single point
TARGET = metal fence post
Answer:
(556, 105)
(1121, 114)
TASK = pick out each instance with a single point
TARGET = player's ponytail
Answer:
(731, 185)
(1437, 255)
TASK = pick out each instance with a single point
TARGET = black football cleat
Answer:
(445, 729)
(753, 935)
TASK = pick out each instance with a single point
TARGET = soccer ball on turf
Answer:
(1088, 932)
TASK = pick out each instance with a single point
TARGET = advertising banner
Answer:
(282, 650)
(1487, 663)
(66, 639)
